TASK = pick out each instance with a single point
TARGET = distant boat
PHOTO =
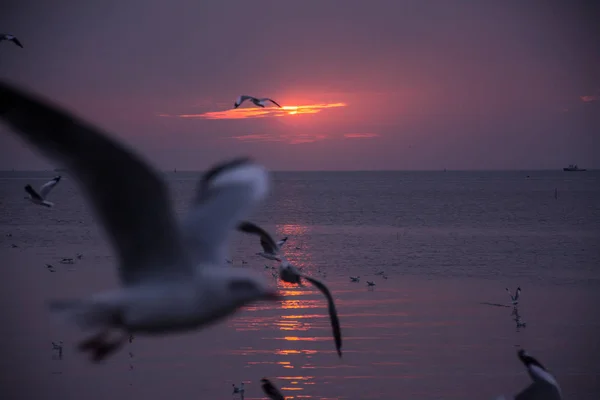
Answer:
(573, 168)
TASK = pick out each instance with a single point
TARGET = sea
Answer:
(439, 325)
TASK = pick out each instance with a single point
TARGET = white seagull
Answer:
(40, 198)
(544, 386)
(515, 298)
(172, 274)
(289, 273)
(271, 390)
(10, 38)
(258, 102)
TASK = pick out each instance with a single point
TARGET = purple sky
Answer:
(382, 84)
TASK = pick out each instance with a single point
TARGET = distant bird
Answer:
(79, 256)
(14, 246)
(379, 273)
(66, 260)
(369, 283)
(515, 298)
(10, 38)
(355, 279)
(384, 276)
(258, 102)
(59, 348)
(237, 390)
(544, 386)
(271, 390)
(270, 248)
(50, 267)
(40, 198)
(300, 247)
(289, 273)
(160, 257)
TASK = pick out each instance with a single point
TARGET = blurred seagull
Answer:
(544, 386)
(40, 198)
(355, 279)
(258, 102)
(10, 38)
(172, 274)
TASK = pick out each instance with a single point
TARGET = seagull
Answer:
(289, 273)
(384, 276)
(369, 283)
(544, 386)
(379, 273)
(515, 298)
(271, 390)
(355, 279)
(172, 274)
(282, 242)
(10, 38)
(258, 102)
(50, 267)
(66, 261)
(40, 198)
(79, 256)
(238, 389)
(270, 248)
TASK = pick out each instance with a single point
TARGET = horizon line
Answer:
(336, 170)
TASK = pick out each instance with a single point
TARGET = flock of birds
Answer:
(173, 274)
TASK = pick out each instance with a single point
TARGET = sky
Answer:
(364, 85)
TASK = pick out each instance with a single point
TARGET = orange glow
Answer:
(258, 112)
(360, 135)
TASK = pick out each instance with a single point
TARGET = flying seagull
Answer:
(290, 274)
(40, 198)
(172, 274)
(258, 102)
(270, 248)
(544, 386)
(515, 298)
(271, 390)
(10, 38)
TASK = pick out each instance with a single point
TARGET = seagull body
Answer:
(40, 198)
(10, 38)
(271, 390)
(258, 102)
(238, 389)
(515, 298)
(172, 274)
(50, 267)
(544, 386)
(355, 279)
(369, 283)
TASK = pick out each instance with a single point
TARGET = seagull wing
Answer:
(16, 41)
(282, 242)
(125, 193)
(271, 100)
(31, 191)
(539, 391)
(48, 186)
(226, 194)
(271, 390)
(242, 99)
(335, 322)
(266, 241)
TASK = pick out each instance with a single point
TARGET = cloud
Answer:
(360, 135)
(257, 112)
(288, 138)
(589, 99)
